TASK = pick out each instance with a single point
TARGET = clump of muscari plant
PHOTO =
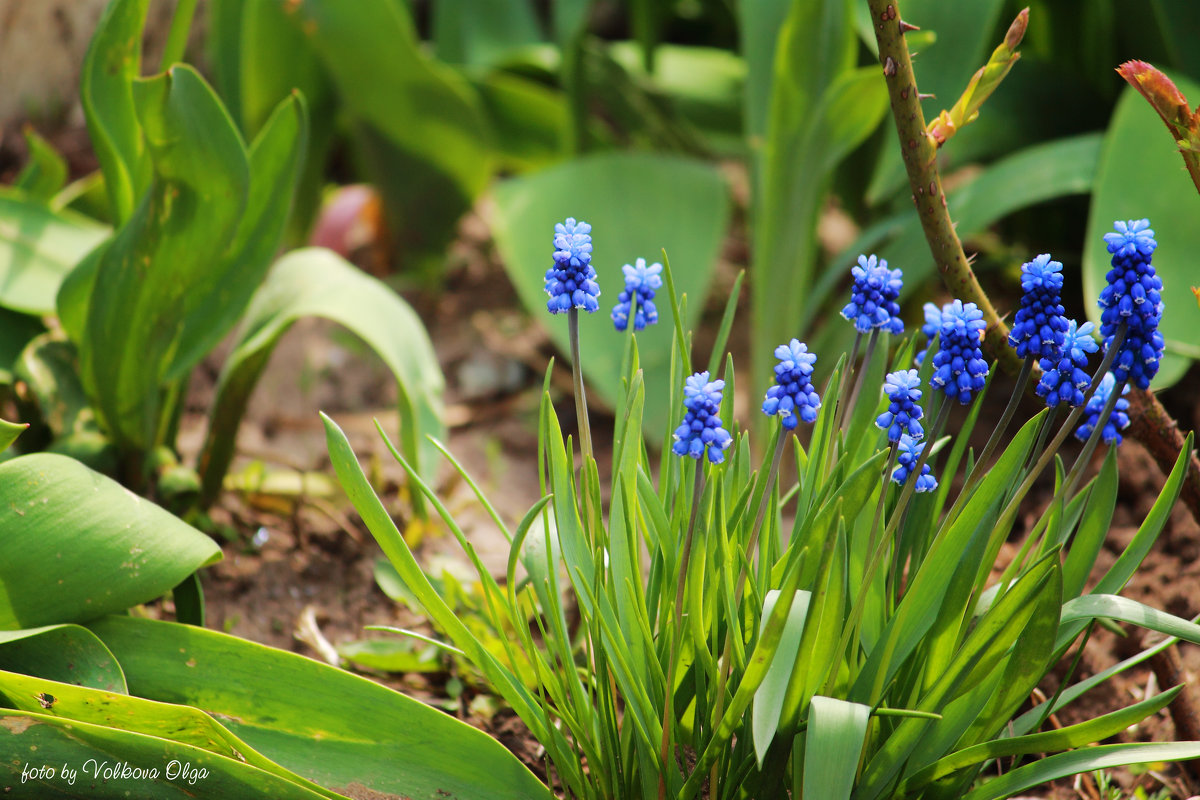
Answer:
(833, 629)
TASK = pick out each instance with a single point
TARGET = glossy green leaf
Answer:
(38, 247)
(768, 700)
(78, 545)
(833, 747)
(112, 64)
(330, 726)
(122, 712)
(680, 206)
(9, 431)
(65, 653)
(1111, 606)
(45, 174)
(94, 752)
(1140, 175)
(315, 282)
(420, 131)
(1092, 758)
(141, 300)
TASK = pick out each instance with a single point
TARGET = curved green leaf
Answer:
(315, 282)
(89, 750)
(78, 545)
(113, 62)
(679, 205)
(330, 726)
(1140, 176)
(45, 174)
(1111, 606)
(833, 747)
(768, 700)
(38, 247)
(65, 653)
(142, 293)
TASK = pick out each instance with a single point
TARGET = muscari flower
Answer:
(1063, 377)
(1133, 296)
(642, 281)
(793, 397)
(908, 454)
(958, 368)
(1040, 322)
(873, 296)
(931, 328)
(571, 282)
(700, 432)
(1117, 421)
(903, 392)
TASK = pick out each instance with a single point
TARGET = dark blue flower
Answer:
(644, 282)
(931, 328)
(1064, 378)
(571, 282)
(958, 368)
(1133, 297)
(793, 396)
(1117, 421)
(873, 296)
(904, 393)
(1040, 323)
(908, 454)
(700, 432)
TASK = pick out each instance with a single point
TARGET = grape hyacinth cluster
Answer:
(1040, 323)
(904, 395)
(1063, 377)
(958, 367)
(701, 433)
(571, 282)
(1117, 421)
(873, 296)
(1133, 297)
(793, 397)
(908, 454)
(642, 281)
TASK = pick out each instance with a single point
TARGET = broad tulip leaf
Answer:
(142, 294)
(638, 205)
(45, 174)
(1141, 175)
(833, 747)
(65, 653)
(314, 282)
(38, 247)
(337, 729)
(95, 753)
(78, 545)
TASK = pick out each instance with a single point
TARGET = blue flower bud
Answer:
(643, 281)
(873, 296)
(908, 454)
(904, 393)
(701, 433)
(1133, 297)
(571, 282)
(1117, 421)
(793, 397)
(958, 368)
(1040, 323)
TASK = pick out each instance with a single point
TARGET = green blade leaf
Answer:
(99, 546)
(142, 291)
(314, 282)
(330, 726)
(66, 653)
(768, 700)
(681, 206)
(1111, 606)
(833, 747)
(38, 247)
(1140, 176)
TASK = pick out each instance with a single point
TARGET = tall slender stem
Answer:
(1089, 447)
(581, 410)
(858, 379)
(177, 36)
(1002, 425)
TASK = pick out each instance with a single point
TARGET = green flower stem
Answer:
(843, 410)
(858, 337)
(1089, 447)
(581, 412)
(1002, 426)
(1150, 423)
(177, 36)
(676, 630)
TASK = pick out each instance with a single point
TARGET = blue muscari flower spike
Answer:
(700, 432)
(643, 281)
(1133, 296)
(1040, 323)
(1064, 379)
(958, 368)
(873, 296)
(793, 397)
(908, 454)
(904, 393)
(1116, 422)
(571, 282)
(931, 328)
